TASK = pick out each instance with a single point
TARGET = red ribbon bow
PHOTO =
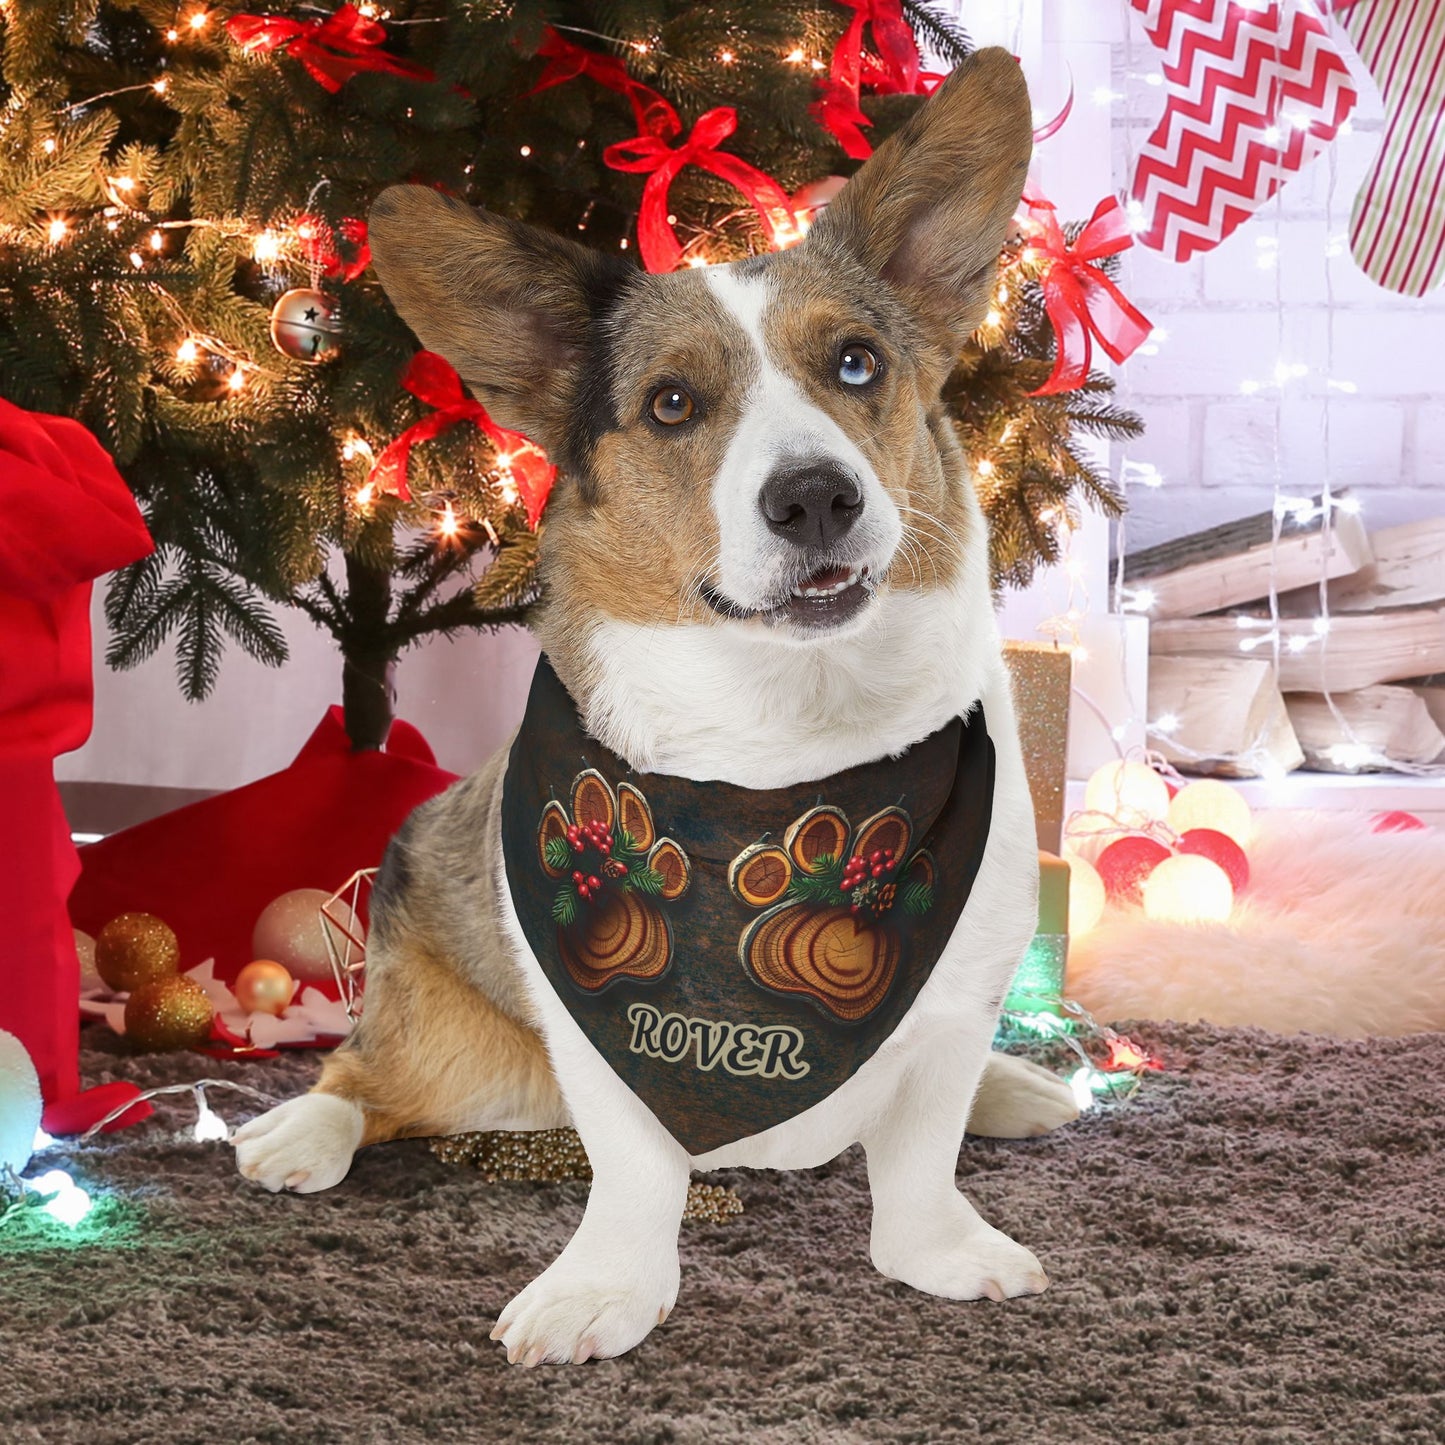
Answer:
(656, 240)
(894, 70)
(332, 50)
(1083, 304)
(566, 61)
(431, 379)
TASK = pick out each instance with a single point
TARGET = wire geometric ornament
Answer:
(345, 937)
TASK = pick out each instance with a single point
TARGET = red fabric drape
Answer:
(67, 519)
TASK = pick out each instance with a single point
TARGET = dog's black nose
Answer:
(811, 503)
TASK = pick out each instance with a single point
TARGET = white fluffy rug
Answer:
(1341, 931)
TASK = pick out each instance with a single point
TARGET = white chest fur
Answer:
(723, 703)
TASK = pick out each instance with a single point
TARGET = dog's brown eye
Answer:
(857, 366)
(671, 405)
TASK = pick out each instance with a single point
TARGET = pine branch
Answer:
(564, 907)
(941, 34)
(915, 898)
(818, 884)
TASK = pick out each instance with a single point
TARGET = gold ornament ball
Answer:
(304, 325)
(168, 1013)
(264, 987)
(136, 948)
(290, 930)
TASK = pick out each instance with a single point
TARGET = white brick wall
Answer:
(1282, 287)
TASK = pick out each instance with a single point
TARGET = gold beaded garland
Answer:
(135, 948)
(552, 1155)
(168, 1013)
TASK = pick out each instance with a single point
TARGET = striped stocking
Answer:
(1397, 231)
(1256, 92)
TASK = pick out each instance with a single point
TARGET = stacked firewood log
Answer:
(1239, 688)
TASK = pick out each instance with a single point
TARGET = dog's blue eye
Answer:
(857, 366)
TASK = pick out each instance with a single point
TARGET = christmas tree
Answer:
(184, 268)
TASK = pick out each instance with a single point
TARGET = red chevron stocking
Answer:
(1397, 231)
(1256, 92)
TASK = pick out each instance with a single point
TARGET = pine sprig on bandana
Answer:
(821, 882)
(643, 880)
(915, 898)
(558, 853)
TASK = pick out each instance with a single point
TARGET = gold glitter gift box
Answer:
(1042, 675)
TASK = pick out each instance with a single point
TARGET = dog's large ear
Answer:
(929, 211)
(507, 304)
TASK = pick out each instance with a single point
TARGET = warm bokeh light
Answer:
(1086, 897)
(1208, 803)
(1188, 889)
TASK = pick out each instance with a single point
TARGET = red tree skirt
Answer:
(209, 869)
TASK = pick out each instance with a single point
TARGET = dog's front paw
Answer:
(580, 1309)
(969, 1260)
(305, 1144)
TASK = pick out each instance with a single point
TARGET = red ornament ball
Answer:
(1218, 848)
(1396, 822)
(1126, 863)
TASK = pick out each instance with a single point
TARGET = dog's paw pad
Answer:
(568, 1316)
(304, 1145)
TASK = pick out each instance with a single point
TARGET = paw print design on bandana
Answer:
(838, 903)
(617, 878)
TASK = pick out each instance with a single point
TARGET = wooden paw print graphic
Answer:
(837, 903)
(617, 877)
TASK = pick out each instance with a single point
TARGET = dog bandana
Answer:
(736, 954)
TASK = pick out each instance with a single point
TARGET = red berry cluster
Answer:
(859, 869)
(859, 872)
(593, 835)
(587, 885)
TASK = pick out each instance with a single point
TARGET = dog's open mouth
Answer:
(823, 599)
(827, 597)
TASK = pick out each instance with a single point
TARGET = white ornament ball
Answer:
(90, 980)
(304, 325)
(1132, 793)
(1188, 888)
(290, 931)
(19, 1104)
(1086, 897)
(1209, 803)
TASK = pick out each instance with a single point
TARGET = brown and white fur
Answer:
(673, 573)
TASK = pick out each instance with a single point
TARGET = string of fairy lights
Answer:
(56, 1195)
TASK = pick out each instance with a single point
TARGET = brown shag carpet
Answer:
(1251, 1250)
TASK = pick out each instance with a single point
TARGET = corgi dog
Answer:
(764, 564)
